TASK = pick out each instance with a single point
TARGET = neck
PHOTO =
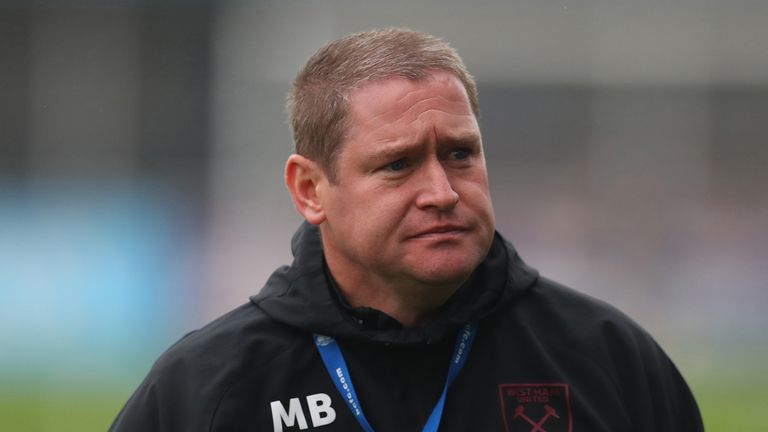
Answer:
(408, 311)
(411, 303)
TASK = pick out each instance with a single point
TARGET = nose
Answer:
(436, 191)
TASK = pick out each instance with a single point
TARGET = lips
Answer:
(441, 231)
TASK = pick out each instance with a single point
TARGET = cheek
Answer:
(477, 199)
(385, 213)
(370, 217)
(475, 192)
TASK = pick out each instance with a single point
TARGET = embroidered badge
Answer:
(536, 407)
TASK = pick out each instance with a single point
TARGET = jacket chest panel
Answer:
(528, 386)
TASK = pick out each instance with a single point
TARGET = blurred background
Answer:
(142, 145)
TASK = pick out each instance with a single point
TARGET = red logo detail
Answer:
(536, 407)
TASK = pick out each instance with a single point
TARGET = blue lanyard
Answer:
(337, 369)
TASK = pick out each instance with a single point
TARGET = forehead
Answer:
(402, 110)
(396, 95)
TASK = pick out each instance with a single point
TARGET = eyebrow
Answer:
(390, 149)
(462, 137)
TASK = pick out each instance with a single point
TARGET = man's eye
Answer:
(460, 154)
(397, 165)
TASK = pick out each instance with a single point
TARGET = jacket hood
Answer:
(303, 296)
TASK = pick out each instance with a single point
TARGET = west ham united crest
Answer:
(536, 407)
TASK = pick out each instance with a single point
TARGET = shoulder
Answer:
(575, 326)
(185, 385)
(232, 338)
(216, 355)
(584, 317)
(580, 333)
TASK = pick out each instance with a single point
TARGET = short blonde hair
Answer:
(318, 102)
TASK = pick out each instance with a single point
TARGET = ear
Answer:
(302, 177)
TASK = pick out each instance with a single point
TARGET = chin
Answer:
(446, 272)
(447, 262)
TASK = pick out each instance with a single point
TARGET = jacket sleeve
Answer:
(655, 394)
(674, 406)
(140, 413)
(179, 394)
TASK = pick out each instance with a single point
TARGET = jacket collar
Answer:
(303, 295)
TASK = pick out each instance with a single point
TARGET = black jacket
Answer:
(545, 358)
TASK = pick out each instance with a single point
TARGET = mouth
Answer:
(441, 232)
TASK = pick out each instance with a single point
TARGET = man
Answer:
(403, 309)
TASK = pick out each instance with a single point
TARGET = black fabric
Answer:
(545, 358)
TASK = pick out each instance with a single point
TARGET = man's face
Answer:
(411, 201)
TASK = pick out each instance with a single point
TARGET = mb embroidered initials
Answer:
(320, 412)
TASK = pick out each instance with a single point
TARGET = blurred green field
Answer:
(71, 412)
(734, 403)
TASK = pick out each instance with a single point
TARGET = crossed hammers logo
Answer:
(537, 426)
